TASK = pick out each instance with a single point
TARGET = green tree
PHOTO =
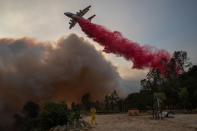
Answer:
(188, 80)
(75, 113)
(153, 81)
(53, 114)
(113, 98)
(177, 66)
(107, 103)
(28, 120)
(184, 96)
(142, 100)
(168, 83)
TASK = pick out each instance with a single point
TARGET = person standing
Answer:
(93, 115)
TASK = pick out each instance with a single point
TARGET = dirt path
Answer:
(123, 122)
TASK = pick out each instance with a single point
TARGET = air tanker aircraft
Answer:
(81, 13)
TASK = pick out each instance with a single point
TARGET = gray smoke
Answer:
(44, 71)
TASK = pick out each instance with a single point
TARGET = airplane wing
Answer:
(72, 23)
(84, 11)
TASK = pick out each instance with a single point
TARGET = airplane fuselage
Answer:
(71, 15)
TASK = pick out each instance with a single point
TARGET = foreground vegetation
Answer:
(32, 118)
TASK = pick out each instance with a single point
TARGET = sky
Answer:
(165, 24)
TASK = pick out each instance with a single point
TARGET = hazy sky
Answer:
(167, 24)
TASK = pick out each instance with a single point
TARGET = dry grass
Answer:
(123, 122)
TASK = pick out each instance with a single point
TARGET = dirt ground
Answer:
(123, 122)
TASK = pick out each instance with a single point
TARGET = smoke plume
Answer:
(114, 42)
(44, 71)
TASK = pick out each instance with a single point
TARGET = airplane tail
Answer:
(91, 17)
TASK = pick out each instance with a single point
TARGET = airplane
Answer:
(81, 13)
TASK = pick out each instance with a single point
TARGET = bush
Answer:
(54, 114)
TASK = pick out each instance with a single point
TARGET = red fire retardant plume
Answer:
(113, 42)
